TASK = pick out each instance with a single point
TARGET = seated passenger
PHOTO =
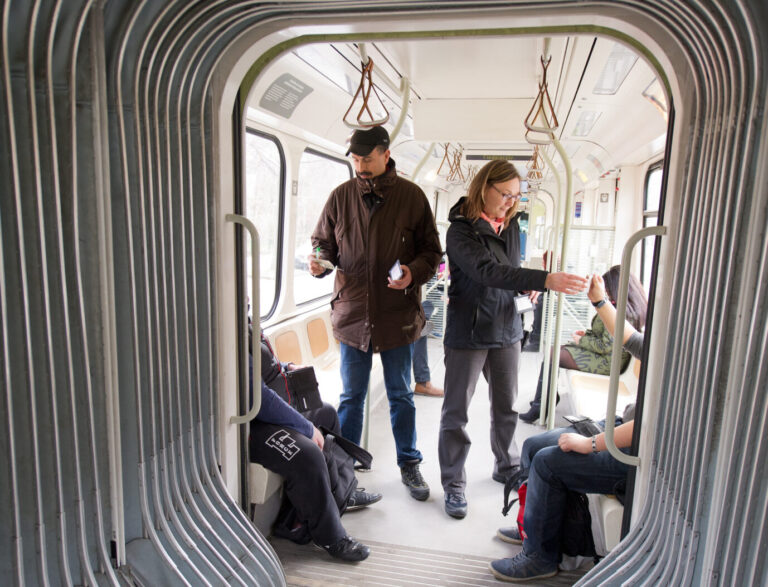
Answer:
(290, 444)
(575, 463)
(591, 350)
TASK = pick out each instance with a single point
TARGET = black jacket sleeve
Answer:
(466, 249)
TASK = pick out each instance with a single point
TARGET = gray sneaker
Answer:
(455, 505)
(522, 568)
(411, 477)
(510, 534)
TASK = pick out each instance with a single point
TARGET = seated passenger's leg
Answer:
(566, 362)
(355, 375)
(534, 444)
(552, 473)
(302, 465)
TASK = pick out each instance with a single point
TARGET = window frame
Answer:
(348, 165)
(280, 216)
(647, 214)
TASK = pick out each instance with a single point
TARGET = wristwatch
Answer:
(594, 438)
(599, 304)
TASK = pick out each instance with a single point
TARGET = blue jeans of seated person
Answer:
(421, 372)
(552, 472)
(355, 375)
(534, 444)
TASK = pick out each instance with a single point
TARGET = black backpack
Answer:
(576, 533)
(340, 456)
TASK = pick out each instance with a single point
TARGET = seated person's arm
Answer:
(606, 312)
(622, 436)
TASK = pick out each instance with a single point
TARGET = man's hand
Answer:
(404, 281)
(314, 267)
(569, 442)
(318, 438)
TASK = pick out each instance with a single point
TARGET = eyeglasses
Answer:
(506, 195)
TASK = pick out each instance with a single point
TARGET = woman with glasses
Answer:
(483, 330)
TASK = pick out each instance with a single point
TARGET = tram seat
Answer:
(262, 483)
(588, 392)
(607, 514)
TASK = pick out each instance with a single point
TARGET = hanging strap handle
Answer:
(364, 89)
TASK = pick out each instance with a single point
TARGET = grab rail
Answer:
(618, 342)
(256, 371)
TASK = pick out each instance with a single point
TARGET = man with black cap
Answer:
(378, 231)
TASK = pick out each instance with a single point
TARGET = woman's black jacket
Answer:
(485, 278)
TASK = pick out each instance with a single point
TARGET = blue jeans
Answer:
(551, 473)
(421, 372)
(355, 375)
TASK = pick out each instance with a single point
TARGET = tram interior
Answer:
(466, 103)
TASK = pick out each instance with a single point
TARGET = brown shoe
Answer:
(427, 389)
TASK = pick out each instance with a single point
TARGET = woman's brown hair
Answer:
(493, 172)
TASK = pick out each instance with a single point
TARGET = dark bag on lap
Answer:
(303, 392)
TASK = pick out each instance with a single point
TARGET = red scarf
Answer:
(495, 224)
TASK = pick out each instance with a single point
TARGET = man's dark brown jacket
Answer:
(364, 245)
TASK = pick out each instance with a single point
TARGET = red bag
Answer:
(521, 512)
(521, 491)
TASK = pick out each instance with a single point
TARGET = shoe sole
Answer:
(507, 539)
(427, 394)
(419, 495)
(457, 515)
(503, 577)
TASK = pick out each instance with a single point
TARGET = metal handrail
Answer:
(405, 90)
(256, 371)
(549, 308)
(618, 342)
(555, 366)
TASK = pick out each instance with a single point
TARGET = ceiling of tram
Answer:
(474, 93)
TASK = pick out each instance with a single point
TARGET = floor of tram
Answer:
(417, 543)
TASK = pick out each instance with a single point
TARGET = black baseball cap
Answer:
(362, 142)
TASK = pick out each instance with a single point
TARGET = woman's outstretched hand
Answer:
(596, 288)
(568, 283)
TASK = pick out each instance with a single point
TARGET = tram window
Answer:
(650, 218)
(318, 175)
(264, 178)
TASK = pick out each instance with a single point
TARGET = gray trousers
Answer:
(462, 369)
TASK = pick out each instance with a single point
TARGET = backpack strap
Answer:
(356, 452)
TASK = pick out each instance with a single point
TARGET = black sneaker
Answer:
(348, 549)
(514, 471)
(531, 415)
(360, 499)
(456, 505)
(411, 477)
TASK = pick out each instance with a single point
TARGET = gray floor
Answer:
(399, 524)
